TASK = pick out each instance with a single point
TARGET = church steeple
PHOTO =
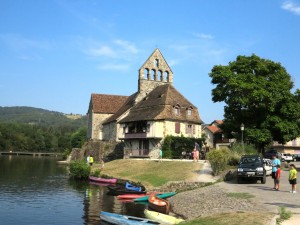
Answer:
(154, 72)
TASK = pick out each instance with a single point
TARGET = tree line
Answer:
(34, 138)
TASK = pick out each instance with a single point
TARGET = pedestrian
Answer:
(160, 155)
(293, 178)
(91, 160)
(275, 162)
(277, 179)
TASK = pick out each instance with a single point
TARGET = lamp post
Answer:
(242, 129)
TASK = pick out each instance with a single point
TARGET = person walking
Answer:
(277, 178)
(275, 162)
(293, 178)
(91, 160)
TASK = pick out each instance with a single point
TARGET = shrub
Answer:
(246, 149)
(66, 153)
(218, 159)
(95, 173)
(234, 159)
(79, 169)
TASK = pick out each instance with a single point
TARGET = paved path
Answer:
(264, 193)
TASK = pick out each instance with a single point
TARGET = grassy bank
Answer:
(245, 218)
(152, 173)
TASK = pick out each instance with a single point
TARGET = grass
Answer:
(151, 173)
(245, 218)
(283, 215)
(242, 195)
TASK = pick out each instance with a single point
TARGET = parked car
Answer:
(296, 157)
(268, 166)
(251, 166)
(269, 154)
(286, 157)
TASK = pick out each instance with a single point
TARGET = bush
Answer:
(95, 173)
(79, 169)
(218, 159)
(247, 149)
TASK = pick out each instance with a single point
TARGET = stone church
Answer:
(141, 121)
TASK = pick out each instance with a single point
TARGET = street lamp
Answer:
(242, 129)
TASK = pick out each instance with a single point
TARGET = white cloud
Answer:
(204, 36)
(101, 51)
(115, 67)
(127, 46)
(292, 7)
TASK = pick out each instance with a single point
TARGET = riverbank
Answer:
(210, 201)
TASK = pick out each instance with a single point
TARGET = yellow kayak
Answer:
(162, 218)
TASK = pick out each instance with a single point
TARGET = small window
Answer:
(177, 110)
(156, 63)
(189, 112)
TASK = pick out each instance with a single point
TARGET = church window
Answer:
(156, 63)
(146, 74)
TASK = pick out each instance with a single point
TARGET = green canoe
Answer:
(164, 195)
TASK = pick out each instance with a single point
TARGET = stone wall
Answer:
(95, 121)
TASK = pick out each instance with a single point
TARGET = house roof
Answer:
(213, 129)
(126, 106)
(102, 103)
(159, 105)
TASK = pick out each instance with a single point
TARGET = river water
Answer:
(36, 190)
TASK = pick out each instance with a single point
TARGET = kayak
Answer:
(121, 190)
(132, 187)
(162, 218)
(158, 204)
(163, 195)
(103, 180)
(115, 218)
(130, 196)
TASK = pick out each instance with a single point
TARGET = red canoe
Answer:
(103, 180)
(130, 196)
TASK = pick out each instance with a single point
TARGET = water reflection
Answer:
(36, 190)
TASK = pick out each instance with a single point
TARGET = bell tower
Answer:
(154, 72)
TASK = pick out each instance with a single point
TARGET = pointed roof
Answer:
(159, 105)
(213, 129)
(108, 104)
(156, 54)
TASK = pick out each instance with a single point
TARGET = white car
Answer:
(268, 166)
(287, 157)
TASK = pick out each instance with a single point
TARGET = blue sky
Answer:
(55, 53)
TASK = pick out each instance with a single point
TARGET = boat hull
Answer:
(158, 204)
(119, 219)
(103, 180)
(164, 195)
(130, 196)
(162, 218)
(119, 190)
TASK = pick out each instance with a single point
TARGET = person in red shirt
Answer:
(277, 178)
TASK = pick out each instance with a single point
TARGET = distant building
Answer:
(292, 147)
(214, 135)
(146, 117)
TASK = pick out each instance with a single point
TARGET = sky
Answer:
(55, 53)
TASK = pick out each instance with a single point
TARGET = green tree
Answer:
(257, 92)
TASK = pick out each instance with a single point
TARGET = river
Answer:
(36, 190)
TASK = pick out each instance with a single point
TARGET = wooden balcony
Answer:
(135, 135)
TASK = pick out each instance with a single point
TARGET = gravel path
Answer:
(209, 200)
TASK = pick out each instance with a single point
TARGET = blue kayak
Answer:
(119, 219)
(131, 187)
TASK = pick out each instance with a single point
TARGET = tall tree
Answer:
(257, 93)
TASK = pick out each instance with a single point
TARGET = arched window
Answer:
(166, 76)
(146, 74)
(160, 75)
(153, 74)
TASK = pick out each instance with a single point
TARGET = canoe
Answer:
(121, 190)
(163, 195)
(162, 218)
(131, 196)
(158, 204)
(132, 187)
(103, 180)
(115, 218)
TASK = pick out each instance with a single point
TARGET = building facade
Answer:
(156, 110)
